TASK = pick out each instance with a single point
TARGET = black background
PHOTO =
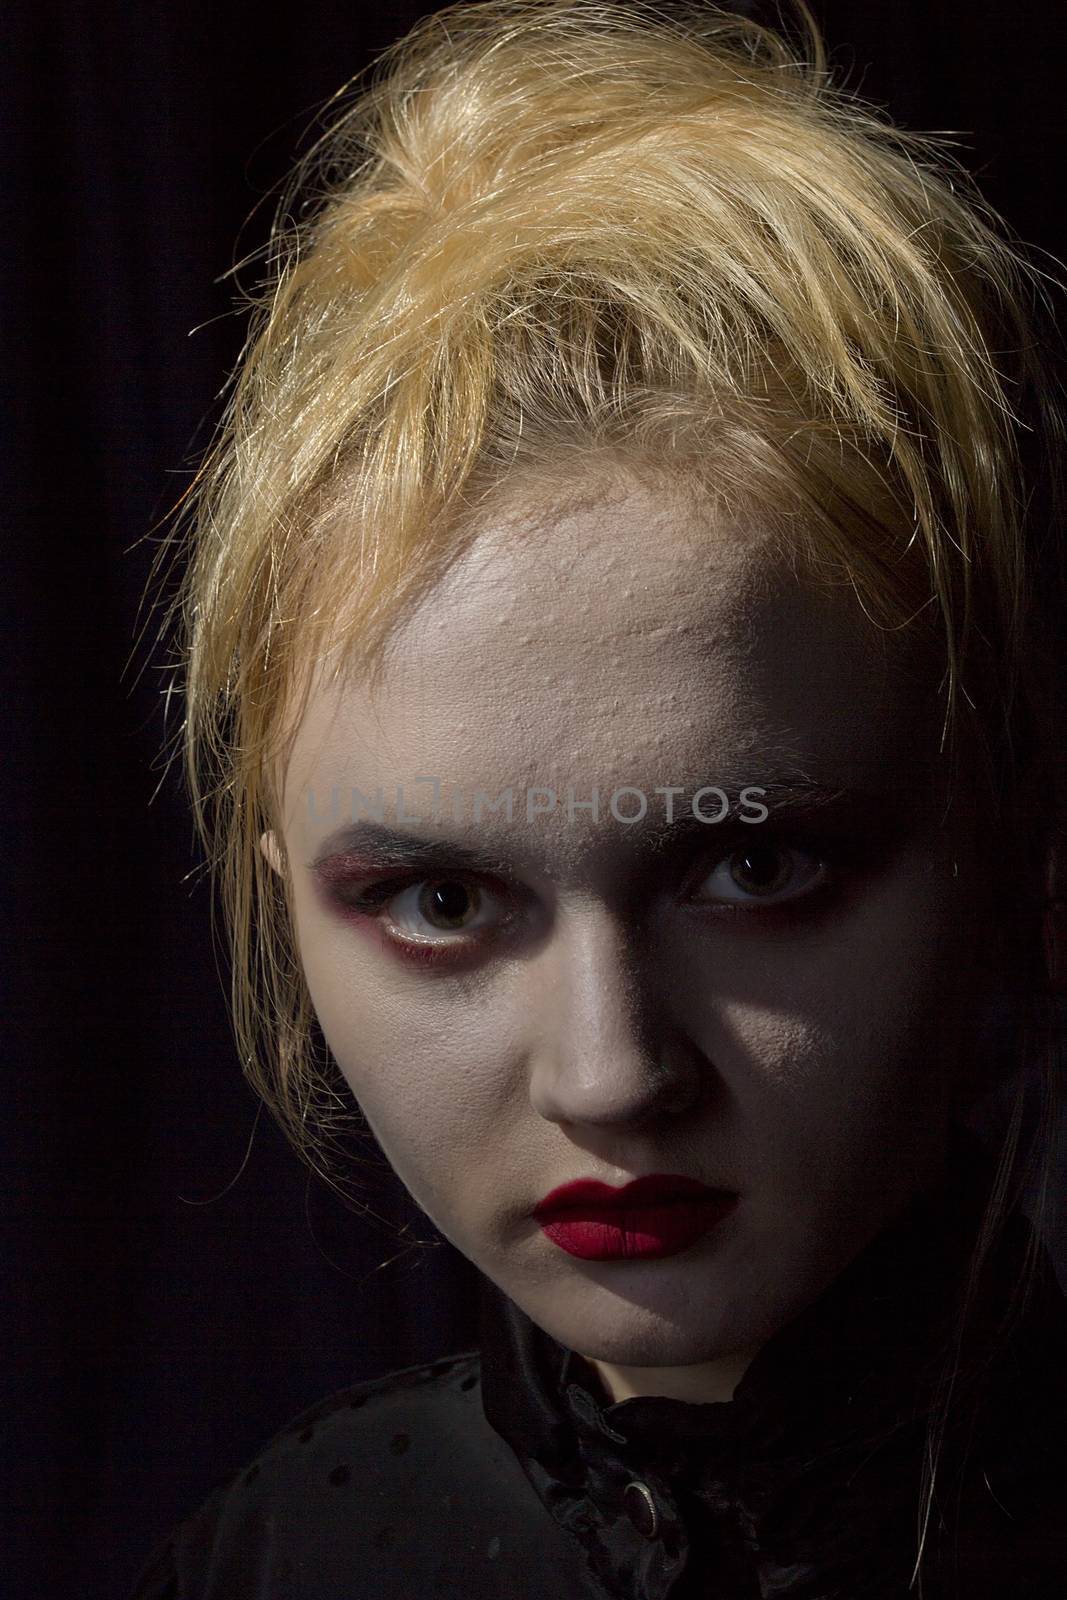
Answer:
(177, 1287)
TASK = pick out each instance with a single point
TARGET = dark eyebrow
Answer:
(383, 847)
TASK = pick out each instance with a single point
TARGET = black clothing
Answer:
(507, 1472)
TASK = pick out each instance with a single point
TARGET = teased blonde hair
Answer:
(552, 237)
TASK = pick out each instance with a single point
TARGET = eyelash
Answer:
(372, 899)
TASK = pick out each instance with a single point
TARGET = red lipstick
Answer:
(658, 1215)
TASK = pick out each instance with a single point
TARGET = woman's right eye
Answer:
(449, 914)
(439, 905)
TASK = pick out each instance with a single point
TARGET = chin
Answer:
(633, 1321)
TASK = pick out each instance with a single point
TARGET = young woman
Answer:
(622, 713)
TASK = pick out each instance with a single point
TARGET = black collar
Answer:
(832, 1410)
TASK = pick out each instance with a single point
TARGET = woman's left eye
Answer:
(760, 874)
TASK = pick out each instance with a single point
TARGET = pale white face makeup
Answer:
(604, 1010)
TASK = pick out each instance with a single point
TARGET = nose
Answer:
(605, 1053)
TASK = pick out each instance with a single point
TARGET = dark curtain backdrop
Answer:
(176, 1287)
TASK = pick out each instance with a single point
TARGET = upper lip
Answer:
(655, 1187)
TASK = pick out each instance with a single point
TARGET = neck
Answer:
(707, 1382)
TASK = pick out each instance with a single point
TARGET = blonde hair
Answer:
(552, 237)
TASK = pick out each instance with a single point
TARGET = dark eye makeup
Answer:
(779, 878)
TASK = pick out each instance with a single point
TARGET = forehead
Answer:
(637, 640)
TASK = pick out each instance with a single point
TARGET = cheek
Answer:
(841, 1042)
(429, 1084)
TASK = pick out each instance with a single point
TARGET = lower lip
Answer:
(636, 1233)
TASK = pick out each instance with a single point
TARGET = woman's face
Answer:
(776, 1007)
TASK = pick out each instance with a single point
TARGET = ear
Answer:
(1055, 918)
(273, 852)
